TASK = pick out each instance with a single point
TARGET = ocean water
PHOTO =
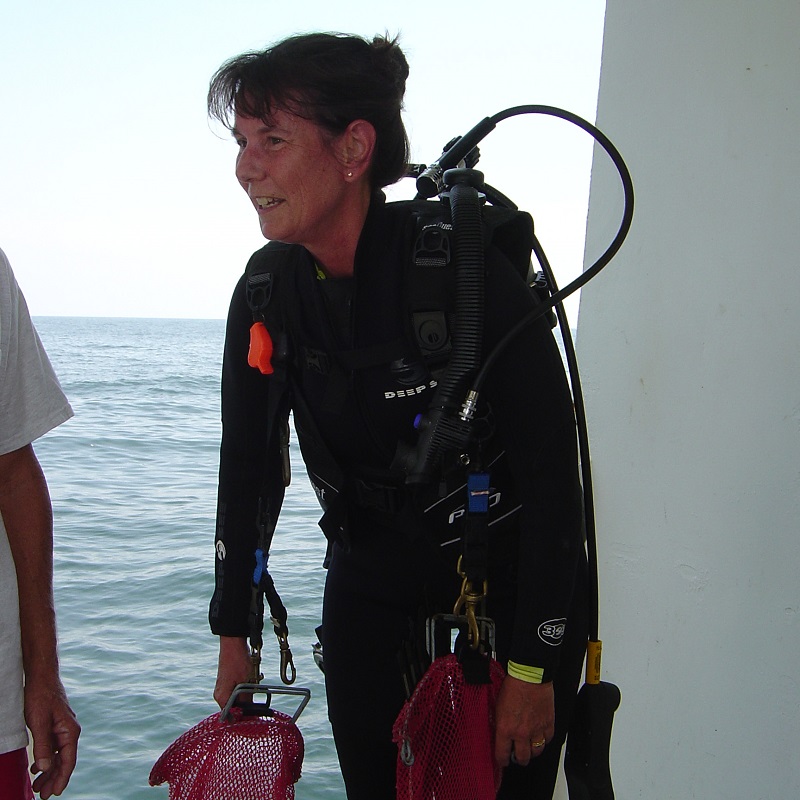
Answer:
(133, 482)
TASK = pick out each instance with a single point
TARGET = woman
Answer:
(318, 126)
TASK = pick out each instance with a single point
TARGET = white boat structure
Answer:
(689, 345)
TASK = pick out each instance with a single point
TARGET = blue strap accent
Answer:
(262, 559)
(478, 492)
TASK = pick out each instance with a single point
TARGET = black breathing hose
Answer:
(465, 211)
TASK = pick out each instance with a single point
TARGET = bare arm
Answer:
(234, 667)
(27, 514)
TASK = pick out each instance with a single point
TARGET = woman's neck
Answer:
(336, 255)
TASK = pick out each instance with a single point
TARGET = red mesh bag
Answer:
(445, 736)
(241, 758)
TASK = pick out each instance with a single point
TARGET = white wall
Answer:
(689, 346)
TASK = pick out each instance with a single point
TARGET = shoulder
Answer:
(268, 287)
(261, 271)
(9, 299)
(275, 261)
(5, 269)
(31, 400)
(14, 319)
(273, 256)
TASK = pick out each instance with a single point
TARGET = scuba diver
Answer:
(343, 341)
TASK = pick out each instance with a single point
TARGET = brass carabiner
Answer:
(473, 636)
(288, 672)
(469, 599)
(255, 665)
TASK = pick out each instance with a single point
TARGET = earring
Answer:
(349, 174)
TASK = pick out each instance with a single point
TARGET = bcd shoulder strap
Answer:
(264, 272)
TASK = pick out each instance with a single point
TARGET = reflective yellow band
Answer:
(527, 674)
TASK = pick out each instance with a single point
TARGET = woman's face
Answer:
(293, 178)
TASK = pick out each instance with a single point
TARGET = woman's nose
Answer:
(249, 167)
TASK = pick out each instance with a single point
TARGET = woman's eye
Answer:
(275, 140)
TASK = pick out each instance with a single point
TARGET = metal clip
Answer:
(255, 665)
(469, 599)
(288, 672)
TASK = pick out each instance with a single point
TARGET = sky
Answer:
(118, 197)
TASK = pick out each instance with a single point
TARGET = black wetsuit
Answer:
(396, 562)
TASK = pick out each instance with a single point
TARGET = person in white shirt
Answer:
(31, 692)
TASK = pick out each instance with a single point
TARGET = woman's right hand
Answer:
(233, 667)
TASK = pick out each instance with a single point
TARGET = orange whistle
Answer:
(260, 354)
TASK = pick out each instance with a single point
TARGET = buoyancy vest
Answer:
(423, 233)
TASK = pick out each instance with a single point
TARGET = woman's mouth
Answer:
(267, 202)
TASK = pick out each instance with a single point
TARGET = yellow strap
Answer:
(524, 673)
(593, 652)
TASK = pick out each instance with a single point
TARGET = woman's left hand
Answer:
(525, 720)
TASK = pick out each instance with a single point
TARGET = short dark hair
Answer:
(328, 78)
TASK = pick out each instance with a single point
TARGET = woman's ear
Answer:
(355, 148)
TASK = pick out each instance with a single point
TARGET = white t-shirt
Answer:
(31, 404)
